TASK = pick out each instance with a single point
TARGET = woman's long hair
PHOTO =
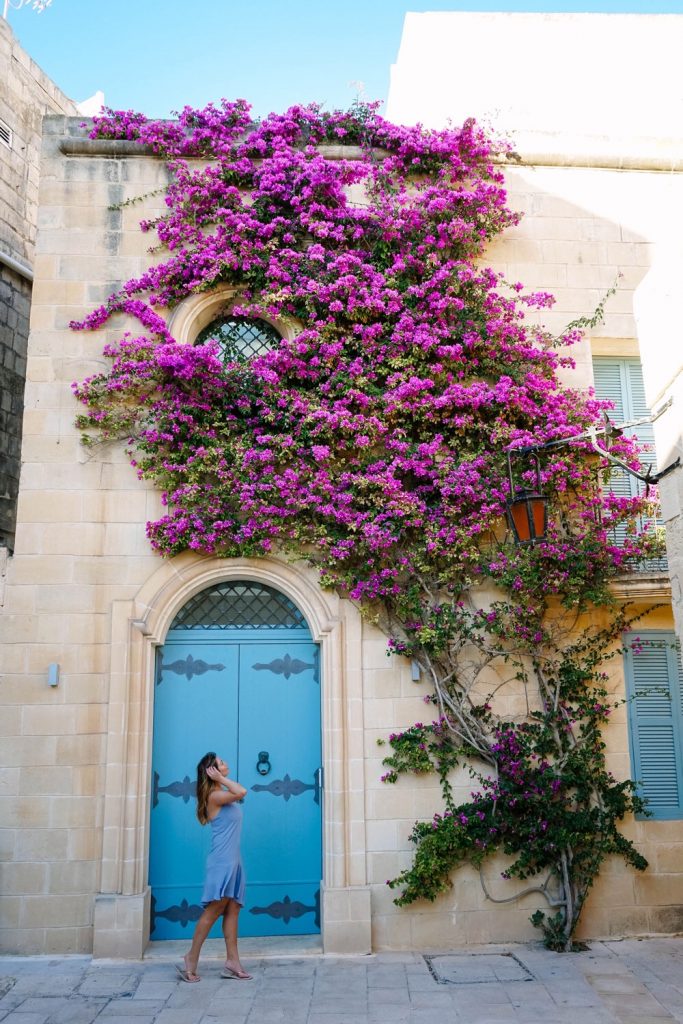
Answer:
(204, 786)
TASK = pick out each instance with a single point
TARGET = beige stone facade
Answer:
(85, 592)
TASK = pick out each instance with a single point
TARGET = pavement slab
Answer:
(629, 982)
(25, 1018)
(132, 1010)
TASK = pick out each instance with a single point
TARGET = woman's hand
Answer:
(234, 790)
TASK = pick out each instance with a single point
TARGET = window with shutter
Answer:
(621, 382)
(654, 687)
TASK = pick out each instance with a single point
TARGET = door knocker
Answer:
(263, 763)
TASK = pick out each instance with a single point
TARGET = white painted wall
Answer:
(588, 74)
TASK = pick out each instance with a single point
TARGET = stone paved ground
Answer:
(629, 982)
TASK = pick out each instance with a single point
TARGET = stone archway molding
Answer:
(196, 312)
(138, 627)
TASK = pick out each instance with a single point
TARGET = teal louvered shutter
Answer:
(610, 383)
(635, 388)
(654, 687)
(621, 382)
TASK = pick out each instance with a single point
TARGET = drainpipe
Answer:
(16, 266)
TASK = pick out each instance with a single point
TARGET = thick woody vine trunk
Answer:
(570, 920)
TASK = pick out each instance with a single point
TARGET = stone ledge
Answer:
(105, 147)
(74, 146)
(642, 586)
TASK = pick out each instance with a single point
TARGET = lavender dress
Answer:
(224, 872)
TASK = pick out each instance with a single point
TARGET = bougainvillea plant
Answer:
(372, 440)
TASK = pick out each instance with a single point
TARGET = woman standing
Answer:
(218, 805)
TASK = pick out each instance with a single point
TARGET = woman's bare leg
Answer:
(202, 928)
(230, 918)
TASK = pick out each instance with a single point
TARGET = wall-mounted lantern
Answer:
(527, 511)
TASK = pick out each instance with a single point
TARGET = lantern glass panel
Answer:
(528, 517)
(538, 509)
(520, 520)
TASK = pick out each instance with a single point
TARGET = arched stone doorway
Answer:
(139, 627)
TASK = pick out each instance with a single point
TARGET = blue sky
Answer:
(158, 55)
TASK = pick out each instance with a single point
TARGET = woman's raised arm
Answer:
(231, 791)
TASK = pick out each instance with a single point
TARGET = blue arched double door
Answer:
(239, 674)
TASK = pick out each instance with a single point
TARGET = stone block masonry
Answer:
(26, 94)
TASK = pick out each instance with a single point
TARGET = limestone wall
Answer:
(84, 591)
(586, 229)
(80, 546)
(26, 93)
(623, 902)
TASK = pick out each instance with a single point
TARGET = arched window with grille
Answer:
(239, 338)
(239, 604)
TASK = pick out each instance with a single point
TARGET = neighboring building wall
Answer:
(84, 590)
(661, 344)
(26, 93)
(604, 76)
(621, 110)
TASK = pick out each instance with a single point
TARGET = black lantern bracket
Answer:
(611, 430)
(527, 509)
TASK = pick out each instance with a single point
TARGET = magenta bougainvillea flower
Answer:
(372, 438)
(378, 433)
